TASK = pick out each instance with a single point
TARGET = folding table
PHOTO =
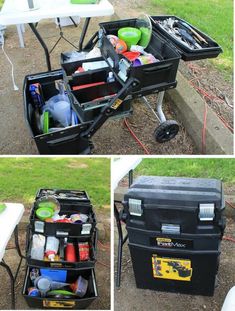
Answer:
(120, 168)
(16, 12)
(9, 220)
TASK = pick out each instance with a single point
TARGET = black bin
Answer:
(175, 227)
(151, 77)
(51, 303)
(63, 263)
(66, 141)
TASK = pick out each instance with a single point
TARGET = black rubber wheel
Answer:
(166, 131)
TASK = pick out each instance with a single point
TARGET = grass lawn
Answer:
(20, 178)
(1, 3)
(206, 168)
(214, 17)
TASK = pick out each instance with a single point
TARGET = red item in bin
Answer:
(83, 86)
(70, 253)
(84, 251)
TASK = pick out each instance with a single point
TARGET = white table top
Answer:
(9, 219)
(122, 166)
(16, 11)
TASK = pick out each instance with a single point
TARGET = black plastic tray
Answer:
(188, 54)
(151, 77)
(66, 141)
(66, 229)
(52, 303)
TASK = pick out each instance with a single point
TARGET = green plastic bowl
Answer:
(43, 213)
(130, 35)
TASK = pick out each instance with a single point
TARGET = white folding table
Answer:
(120, 168)
(16, 12)
(9, 220)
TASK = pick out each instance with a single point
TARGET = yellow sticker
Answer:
(58, 304)
(172, 268)
(117, 103)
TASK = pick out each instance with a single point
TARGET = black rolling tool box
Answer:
(175, 226)
(102, 98)
(68, 265)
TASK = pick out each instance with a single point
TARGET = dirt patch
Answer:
(139, 299)
(75, 164)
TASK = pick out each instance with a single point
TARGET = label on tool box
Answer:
(171, 268)
(117, 103)
(171, 243)
(58, 304)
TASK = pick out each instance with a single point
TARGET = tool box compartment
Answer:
(187, 54)
(181, 271)
(83, 260)
(61, 141)
(209, 240)
(60, 229)
(91, 91)
(88, 102)
(152, 77)
(175, 205)
(63, 195)
(63, 303)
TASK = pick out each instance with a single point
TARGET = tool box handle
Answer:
(92, 42)
(157, 68)
(63, 140)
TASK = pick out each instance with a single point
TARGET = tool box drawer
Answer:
(56, 302)
(77, 253)
(66, 228)
(149, 77)
(199, 241)
(209, 50)
(89, 101)
(62, 195)
(58, 140)
(181, 271)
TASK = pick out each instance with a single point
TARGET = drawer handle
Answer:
(157, 68)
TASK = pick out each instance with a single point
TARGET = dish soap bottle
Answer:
(52, 247)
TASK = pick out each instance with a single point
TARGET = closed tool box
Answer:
(175, 227)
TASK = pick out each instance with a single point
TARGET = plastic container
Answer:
(37, 247)
(64, 195)
(65, 141)
(56, 303)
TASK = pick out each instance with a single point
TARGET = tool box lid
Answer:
(153, 191)
(187, 54)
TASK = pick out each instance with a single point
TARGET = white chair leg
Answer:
(20, 35)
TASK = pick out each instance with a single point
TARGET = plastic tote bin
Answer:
(66, 141)
(52, 303)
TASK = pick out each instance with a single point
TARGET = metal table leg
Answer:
(84, 31)
(121, 242)
(8, 269)
(43, 44)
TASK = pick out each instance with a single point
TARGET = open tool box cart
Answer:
(71, 201)
(130, 82)
(175, 227)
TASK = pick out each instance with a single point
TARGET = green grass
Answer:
(1, 3)
(205, 168)
(214, 17)
(20, 178)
